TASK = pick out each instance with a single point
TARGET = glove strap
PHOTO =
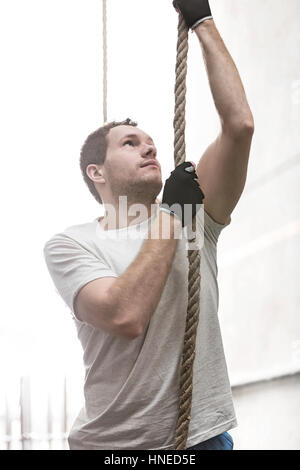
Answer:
(163, 209)
(200, 21)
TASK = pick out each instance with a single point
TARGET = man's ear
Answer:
(95, 174)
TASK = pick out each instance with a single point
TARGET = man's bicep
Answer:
(222, 173)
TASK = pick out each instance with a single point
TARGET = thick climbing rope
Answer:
(193, 308)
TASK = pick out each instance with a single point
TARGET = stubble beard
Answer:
(138, 191)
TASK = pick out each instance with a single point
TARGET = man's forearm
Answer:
(137, 291)
(224, 79)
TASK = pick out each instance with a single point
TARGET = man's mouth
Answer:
(151, 163)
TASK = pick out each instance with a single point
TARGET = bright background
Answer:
(51, 99)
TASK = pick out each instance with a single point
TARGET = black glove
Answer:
(181, 188)
(193, 11)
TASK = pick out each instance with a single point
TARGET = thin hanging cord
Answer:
(104, 41)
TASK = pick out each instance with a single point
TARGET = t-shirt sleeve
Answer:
(71, 266)
(213, 228)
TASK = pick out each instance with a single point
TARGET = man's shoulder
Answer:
(212, 228)
(212, 220)
(79, 233)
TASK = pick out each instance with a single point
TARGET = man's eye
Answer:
(128, 142)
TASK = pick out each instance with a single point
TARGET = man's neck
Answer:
(125, 214)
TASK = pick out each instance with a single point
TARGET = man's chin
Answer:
(143, 193)
(149, 185)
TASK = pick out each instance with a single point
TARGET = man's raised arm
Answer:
(222, 169)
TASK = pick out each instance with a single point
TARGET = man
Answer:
(128, 293)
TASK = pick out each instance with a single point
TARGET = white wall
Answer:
(268, 415)
(259, 254)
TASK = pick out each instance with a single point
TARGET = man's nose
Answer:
(148, 150)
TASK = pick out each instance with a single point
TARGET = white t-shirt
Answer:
(132, 386)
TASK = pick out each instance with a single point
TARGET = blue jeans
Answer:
(222, 442)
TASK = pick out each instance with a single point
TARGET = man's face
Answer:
(126, 168)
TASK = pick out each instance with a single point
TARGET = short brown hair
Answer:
(94, 150)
